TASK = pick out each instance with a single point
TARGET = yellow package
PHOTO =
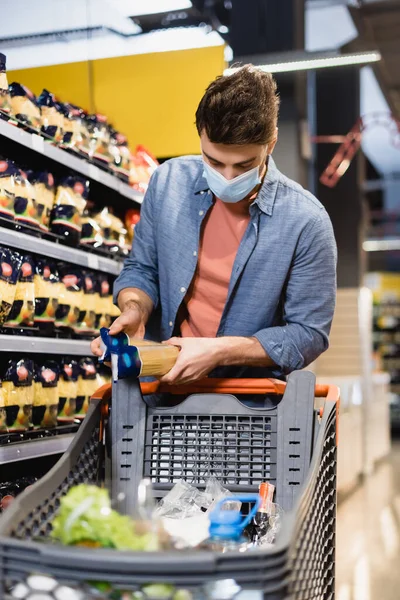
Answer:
(45, 402)
(18, 394)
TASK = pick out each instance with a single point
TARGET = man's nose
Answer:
(228, 173)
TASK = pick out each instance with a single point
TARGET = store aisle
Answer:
(368, 536)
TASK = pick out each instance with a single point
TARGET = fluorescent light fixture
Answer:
(316, 62)
(381, 245)
(137, 8)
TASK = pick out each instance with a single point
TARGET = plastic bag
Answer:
(10, 265)
(69, 205)
(45, 403)
(23, 309)
(5, 104)
(24, 105)
(47, 288)
(67, 390)
(25, 207)
(18, 394)
(8, 173)
(52, 116)
(43, 185)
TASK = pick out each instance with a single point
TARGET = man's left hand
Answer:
(198, 356)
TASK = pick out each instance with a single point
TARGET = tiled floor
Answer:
(368, 536)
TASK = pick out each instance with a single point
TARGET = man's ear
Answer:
(271, 145)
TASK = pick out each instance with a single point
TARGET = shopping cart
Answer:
(292, 444)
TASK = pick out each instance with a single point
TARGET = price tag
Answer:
(37, 143)
(93, 261)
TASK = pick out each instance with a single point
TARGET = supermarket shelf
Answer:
(35, 448)
(24, 343)
(22, 241)
(39, 144)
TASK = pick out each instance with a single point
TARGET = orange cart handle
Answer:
(223, 386)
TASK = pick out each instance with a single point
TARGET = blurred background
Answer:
(141, 66)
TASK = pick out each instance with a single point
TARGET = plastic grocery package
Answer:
(69, 205)
(114, 232)
(24, 105)
(52, 116)
(10, 264)
(18, 394)
(8, 173)
(45, 403)
(70, 296)
(67, 390)
(25, 208)
(5, 104)
(23, 309)
(88, 383)
(87, 316)
(44, 192)
(46, 282)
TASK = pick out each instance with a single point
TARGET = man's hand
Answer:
(198, 356)
(130, 321)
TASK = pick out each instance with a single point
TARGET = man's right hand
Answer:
(130, 321)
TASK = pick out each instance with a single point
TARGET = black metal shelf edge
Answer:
(35, 448)
(39, 144)
(22, 241)
(37, 345)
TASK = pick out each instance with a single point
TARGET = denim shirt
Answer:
(283, 282)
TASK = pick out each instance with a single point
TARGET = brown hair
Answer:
(241, 108)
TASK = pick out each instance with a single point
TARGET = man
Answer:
(231, 261)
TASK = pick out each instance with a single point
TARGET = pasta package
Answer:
(67, 390)
(46, 288)
(87, 315)
(18, 394)
(23, 309)
(5, 104)
(45, 401)
(70, 296)
(69, 205)
(72, 126)
(44, 192)
(8, 174)
(120, 153)
(92, 233)
(103, 374)
(24, 105)
(103, 302)
(88, 383)
(114, 232)
(3, 417)
(25, 207)
(96, 144)
(10, 265)
(52, 116)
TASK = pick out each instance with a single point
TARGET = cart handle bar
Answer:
(223, 386)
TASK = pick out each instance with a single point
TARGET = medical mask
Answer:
(231, 190)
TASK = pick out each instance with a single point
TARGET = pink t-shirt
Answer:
(222, 232)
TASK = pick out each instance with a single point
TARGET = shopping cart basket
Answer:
(292, 444)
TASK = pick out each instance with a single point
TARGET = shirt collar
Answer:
(266, 195)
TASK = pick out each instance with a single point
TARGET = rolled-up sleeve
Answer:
(141, 267)
(309, 300)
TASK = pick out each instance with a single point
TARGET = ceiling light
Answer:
(381, 245)
(316, 61)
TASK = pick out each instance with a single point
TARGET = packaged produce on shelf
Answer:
(67, 390)
(5, 104)
(3, 416)
(143, 165)
(52, 116)
(47, 288)
(10, 265)
(45, 402)
(96, 144)
(25, 208)
(24, 105)
(72, 126)
(92, 233)
(70, 296)
(23, 309)
(87, 317)
(44, 191)
(18, 394)
(114, 232)
(132, 218)
(8, 174)
(69, 205)
(104, 305)
(120, 153)
(88, 383)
